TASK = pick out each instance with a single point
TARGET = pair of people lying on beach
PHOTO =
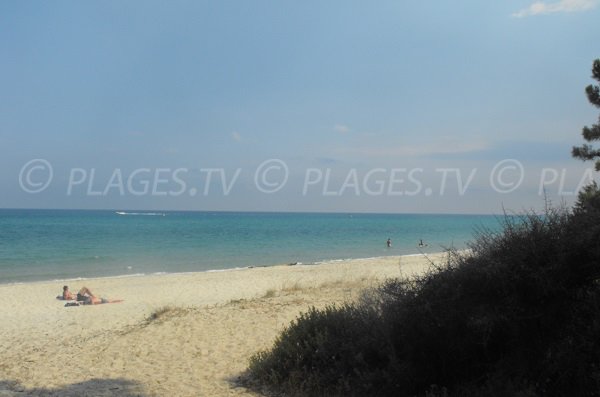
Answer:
(86, 296)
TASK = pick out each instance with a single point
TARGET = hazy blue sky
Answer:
(350, 96)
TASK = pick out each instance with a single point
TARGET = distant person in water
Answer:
(86, 296)
(421, 244)
(389, 243)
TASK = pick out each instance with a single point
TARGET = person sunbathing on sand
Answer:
(94, 300)
(86, 296)
(89, 298)
(67, 295)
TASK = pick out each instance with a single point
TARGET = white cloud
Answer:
(540, 7)
(236, 136)
(342, 129)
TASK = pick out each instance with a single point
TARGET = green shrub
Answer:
(324, 350)
(519, 315)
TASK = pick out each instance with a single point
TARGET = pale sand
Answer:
(218, 321)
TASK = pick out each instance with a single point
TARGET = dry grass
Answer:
(166, 312)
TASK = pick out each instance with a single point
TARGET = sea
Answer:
(44, 245)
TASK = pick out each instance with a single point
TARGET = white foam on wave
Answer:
(332, 261)
(94, 277)
(226, 270)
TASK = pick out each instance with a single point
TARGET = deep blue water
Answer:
(60, 244)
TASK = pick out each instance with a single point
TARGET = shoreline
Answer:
(160, 273)
(175, 334)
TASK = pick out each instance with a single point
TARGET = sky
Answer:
(344, 106)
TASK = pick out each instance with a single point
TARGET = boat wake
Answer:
(141, 213)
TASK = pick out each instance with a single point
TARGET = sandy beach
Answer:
(175, 334)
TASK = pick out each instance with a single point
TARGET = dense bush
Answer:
(519, 315)
(327, 349)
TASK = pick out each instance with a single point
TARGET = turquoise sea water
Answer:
(59, 244)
